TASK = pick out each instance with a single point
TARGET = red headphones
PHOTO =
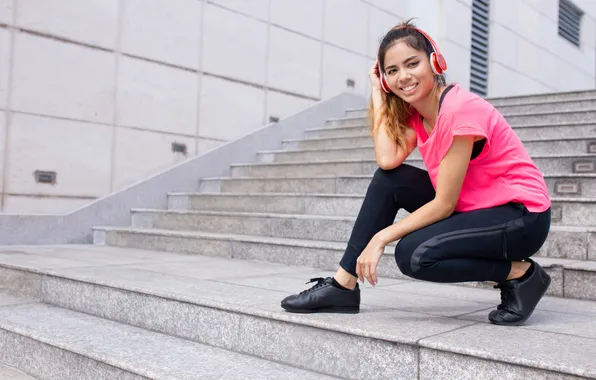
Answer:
(437, 62)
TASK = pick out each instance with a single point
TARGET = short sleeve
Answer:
(455, 125)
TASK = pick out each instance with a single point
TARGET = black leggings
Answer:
(468, 246)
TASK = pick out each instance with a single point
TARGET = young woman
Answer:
(478, 214)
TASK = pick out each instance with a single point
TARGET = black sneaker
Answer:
(519, 297)
(324, 297)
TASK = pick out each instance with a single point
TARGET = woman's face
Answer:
(408, 72)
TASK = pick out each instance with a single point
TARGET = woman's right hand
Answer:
(374, 76)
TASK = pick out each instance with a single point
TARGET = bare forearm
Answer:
(426, 215)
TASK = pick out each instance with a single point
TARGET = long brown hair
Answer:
(395, 111)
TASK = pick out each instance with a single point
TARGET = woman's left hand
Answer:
(366, 265)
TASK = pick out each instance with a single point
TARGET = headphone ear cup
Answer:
(437, 63)
(433, 64)
(384, 84)
(383, 79)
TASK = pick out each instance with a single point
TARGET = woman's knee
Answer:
(404, 252)
(403, 172)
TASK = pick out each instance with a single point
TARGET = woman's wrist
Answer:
(377, 98)
(382, 238)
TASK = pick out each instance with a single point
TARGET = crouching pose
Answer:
(479, 211)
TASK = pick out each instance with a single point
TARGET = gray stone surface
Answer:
(274, 185)
(580, 284)
(171, 286)
(580, 325)
(555, 131)
(363, 148)
(520, 346)
(114, 209)
(572, 211)
(323, 255)
(330, 228)
(302, 169)
(591, 251)
(329, 204)
(552, 117)
(324, 143)
(326, 132)
(47, 361)
(85, 255)
(536, 104)
(525, 132)
(546, 97)
(575, 212)
(573, 105)
(217, 268)
(364, 153)
(20, 283)
(240, 302)
(584, 185)
(7, 298)
(8, 373)
(285, 338)
(441, 365)
(548, 165)
(318, 254)
(126, 350)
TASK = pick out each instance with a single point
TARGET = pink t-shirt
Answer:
(502, 173)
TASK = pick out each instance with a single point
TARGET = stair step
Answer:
(527, 132)
(9, 373)
(559, 106)
(545, 97)
(521, 119)
(567, 211)
(404, 330)
(559, 185)
(584, 144)
(567, 249)
(548, 164)
(365, 150)
(72, 345)
(293, 226)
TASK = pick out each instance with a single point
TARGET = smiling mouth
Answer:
(409, 88)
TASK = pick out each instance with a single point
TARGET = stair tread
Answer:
(592, 98)
(526, 113)
(366, 176)
(547, 261)
(438, 316)
(9, 373)
(332, 195)
(525, 140)
(359, 160)
(137, 350)
(514, 126)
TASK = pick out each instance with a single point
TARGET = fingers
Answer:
(373, 275)
(374, 67)
(367, 270)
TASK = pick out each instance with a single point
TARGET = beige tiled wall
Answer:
(98, 90)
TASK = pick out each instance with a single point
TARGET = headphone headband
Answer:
(437, 61)
(432, 42)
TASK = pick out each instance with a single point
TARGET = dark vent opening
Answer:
(350, 83)
(480, 47)
(45, 177)
(273, 119)
(570, 22)
(179, 148)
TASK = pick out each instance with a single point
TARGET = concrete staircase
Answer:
(193, 291)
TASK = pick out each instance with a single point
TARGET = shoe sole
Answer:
(522, 321)
(332, 309)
